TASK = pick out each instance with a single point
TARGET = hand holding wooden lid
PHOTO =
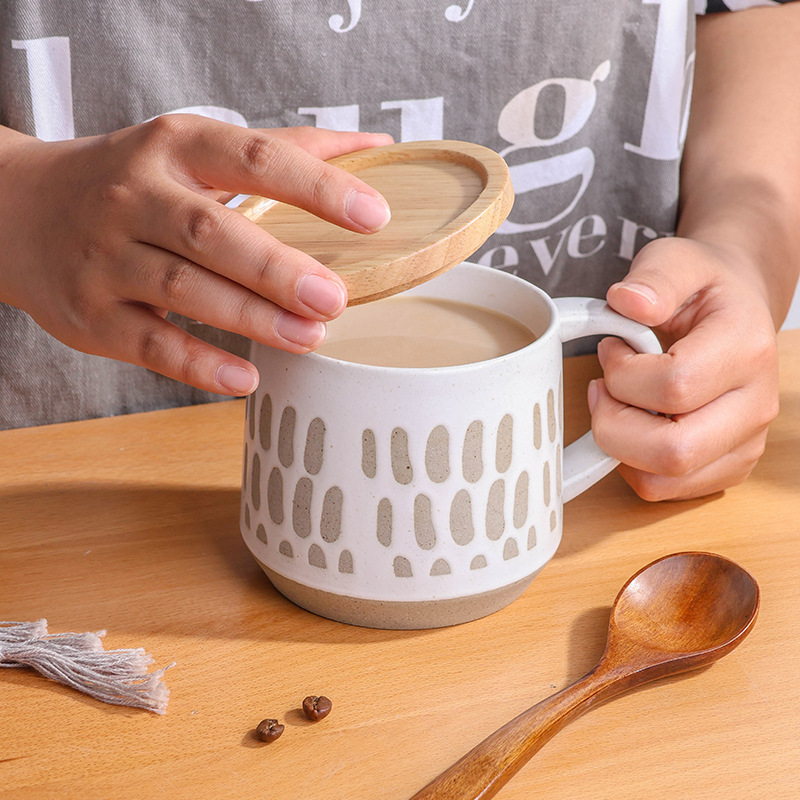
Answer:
(446, 198)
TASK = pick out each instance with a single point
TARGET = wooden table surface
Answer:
(130, 525)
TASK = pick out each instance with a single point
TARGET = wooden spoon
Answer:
(679, 613)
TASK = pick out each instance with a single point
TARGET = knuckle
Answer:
(175, 282)
(191, 366)
(248, 314)
(754, 450)
(321, 187)
(116, 194)
(268, 272)
(745, 472)
(83, 311)
(764, 344)
(203, 227)
(653, 255)
(156, 349)
(93, 250)
(678, 456)
(150, 346)
(650, 487)
(678, 391)
(669, 248)
(760, 342)
(168, 127)
(765, 413)
(259, 155)
(649, 257)
(87, 293)
(770, 410)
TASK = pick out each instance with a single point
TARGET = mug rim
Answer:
(419, 290)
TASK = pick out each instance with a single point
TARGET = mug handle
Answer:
(584, 462)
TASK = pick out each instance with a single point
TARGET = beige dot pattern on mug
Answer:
(323, 534)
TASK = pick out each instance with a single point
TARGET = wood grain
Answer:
(679, 613)
(131, 524)
(446, 197)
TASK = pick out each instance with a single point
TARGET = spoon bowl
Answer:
(687, 603)
(679, 613)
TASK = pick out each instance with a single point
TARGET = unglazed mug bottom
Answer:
(397, 614)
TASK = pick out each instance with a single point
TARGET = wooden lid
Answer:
(446, 198)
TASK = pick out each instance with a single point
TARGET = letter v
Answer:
(542, 251)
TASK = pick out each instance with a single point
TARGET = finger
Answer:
(325, 144)
(234, 159)
(695, 370)
(203, 232)
(663, 277)
(144, 338)
(320, 142)
(730, 470)
(164, 280)
(680, 445)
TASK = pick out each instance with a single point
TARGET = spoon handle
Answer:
(485, 769)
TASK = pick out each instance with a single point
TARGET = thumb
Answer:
(663, 277)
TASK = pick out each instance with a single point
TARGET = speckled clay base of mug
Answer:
(394, 615)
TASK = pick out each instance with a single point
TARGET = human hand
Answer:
(717, 382)
(103, 236)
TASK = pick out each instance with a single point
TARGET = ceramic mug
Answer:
(395, 497)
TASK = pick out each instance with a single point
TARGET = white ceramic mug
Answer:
(412, 498)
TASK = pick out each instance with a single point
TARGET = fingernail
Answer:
(368, 211)
(323, 295)
(236, 379)
(305, 332)
(643, 291)
(592, 393)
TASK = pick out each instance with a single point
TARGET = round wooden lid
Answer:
(446, 199)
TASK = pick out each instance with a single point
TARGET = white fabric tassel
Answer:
(78, 660)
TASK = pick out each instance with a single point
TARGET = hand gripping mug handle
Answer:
(584, 462)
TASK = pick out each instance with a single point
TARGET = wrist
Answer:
(21, 191)
(758, 236)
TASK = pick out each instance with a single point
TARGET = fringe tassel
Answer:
(78, 660)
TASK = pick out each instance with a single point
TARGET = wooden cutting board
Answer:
(446, 198)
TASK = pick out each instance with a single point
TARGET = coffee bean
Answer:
(316, 708)
(269, 730)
